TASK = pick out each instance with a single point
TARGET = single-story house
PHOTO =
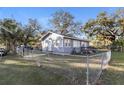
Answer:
(59, 44)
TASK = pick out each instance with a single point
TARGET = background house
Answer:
(57, 43)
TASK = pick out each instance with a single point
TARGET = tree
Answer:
(64, 24)
(108, 26)
(30, 31)
(10, 33)
(119, 44)
(100, 42)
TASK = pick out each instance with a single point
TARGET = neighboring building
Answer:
(59, 44)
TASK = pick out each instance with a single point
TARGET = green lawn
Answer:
(17, 70)
(56, 69)
(114, 75)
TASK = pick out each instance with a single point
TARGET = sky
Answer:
(43, 14)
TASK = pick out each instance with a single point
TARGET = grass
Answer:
(57, 70)
(114, 75)
(17, 70)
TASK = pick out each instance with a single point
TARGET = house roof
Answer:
(46, 35)
(66, 37)
(75, 38)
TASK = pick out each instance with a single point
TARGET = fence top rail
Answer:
(98, 54)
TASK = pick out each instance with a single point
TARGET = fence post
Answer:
(87, 73)
(32, 53)
(102, 63)
(0, 56)
(23, 52)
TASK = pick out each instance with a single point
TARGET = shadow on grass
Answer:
(21, 73)
(111, 77)
(114, 75)
(55, 70)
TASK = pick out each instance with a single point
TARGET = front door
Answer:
(50, 45)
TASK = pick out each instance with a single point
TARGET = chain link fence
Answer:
(1, 56)
(95, 64)
(76, 69)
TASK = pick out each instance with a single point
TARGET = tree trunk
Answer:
(7, 44)
(13, 47)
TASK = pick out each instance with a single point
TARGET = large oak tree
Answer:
(110, 26)
(12, 33)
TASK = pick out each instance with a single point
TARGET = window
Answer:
(82, 44)
(58, 42)
(76, 43)
(67, 42)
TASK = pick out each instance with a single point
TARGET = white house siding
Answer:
(70, 44)
(68, 50)
(68, 47)
(57, 43)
